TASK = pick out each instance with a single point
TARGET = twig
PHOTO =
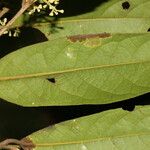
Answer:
(3, 11)
(25, 5)
(14, 144)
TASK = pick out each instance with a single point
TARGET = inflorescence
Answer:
(42, 6)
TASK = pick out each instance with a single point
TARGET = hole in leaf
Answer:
(128, 107)
(148, 30)
(125, 5)
(52, 80)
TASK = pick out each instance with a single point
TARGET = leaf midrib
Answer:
(92, 19)
(91, 140)
(16, 77)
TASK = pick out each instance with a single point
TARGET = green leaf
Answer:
(113, 129)
(87, 69)
(107, 17)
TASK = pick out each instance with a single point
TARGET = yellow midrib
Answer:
(23, 76)
(89, 141)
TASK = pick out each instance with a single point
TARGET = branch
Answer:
(14, 144)
(25, 5)
(3, 11)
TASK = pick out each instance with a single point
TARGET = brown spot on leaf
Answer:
(83, 37)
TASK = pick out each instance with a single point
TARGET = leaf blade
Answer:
(98, 74)
(116, 129)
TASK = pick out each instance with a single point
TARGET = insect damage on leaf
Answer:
(89, 40)
(83, 37)
(126, 5)
(52, 80)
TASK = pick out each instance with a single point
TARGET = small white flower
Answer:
(51, 4)
(3, 22)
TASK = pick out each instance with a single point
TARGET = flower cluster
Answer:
(37, 6)
(50, 4)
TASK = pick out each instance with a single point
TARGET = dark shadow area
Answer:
(27, 36)
(78, 7)
(18, 122)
